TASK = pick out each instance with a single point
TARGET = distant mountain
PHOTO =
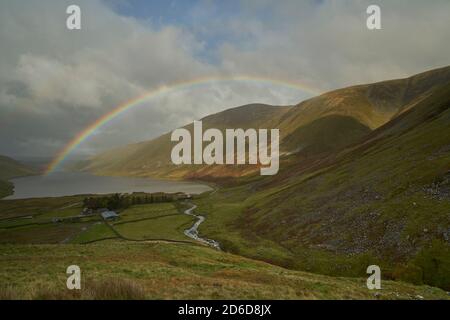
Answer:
(313, 128)
(152, 158)
(10, 168)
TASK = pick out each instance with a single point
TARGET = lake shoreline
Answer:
(60, 184)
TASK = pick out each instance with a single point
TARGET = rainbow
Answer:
(89, 130)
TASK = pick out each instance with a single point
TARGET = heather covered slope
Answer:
(345, 115)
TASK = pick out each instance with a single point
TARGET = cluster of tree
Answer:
(118, 201)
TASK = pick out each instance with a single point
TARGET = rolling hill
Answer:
(10, 168)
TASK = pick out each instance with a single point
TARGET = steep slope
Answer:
(326, 134)
(384, 201)
(408, 157)
(372, 104)
(10, 168)
(345, 115)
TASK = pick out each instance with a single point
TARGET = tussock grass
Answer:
(118, 270)
(105, 289)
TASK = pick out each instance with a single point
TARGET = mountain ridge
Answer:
(384, 200)
(366, 106)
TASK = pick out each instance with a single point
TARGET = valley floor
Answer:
(146, 255)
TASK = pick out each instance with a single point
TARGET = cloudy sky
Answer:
(54, 82)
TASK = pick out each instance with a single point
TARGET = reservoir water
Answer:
(74, 183)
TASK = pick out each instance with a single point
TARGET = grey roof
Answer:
(109, 214)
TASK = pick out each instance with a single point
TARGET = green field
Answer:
(36, 207)
(142, 212)
(98, 231)
(158, 221)
(31, 221)
(170, 227)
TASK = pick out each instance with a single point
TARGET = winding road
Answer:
(192, 232)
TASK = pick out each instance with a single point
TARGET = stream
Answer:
(192, 232)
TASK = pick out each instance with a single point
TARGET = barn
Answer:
(109, 215)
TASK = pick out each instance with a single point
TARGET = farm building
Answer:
(109, 215)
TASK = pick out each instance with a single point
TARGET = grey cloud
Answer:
(328, 44)
(53, 82)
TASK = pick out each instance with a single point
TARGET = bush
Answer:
(434, 261)
(408, 273)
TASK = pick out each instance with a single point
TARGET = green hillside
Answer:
(385, 201)
(10, 168)
(325, 135)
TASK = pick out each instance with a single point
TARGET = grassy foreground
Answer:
(132, 258)
(122, 270)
